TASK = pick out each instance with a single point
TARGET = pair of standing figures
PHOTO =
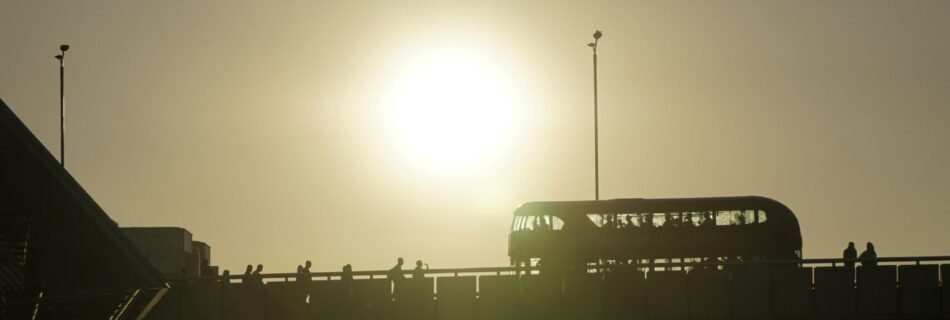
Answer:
(868, 258)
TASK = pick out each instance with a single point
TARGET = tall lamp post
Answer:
(62, 105)
(593, 45)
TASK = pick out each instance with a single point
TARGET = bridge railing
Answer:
(895, 288)
(594, 268)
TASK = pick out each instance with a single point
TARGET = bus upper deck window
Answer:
(543, 222)
(723, 218)
(597, 219)
(628, 220)
(747, 217)
(735, 217)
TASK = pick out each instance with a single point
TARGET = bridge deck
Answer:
(900, 288)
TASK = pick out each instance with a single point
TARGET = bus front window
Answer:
(555, 222)
(516, 224)
(542, 222)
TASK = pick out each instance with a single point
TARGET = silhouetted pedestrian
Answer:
(303, 280)
(305, 274)
(396, 276)
(347, 279)
(257, 277)
(248, 274)
(418, 272)
(347, 273)
(849, 255)
(225, 277)
(396, 271)
(869, 256)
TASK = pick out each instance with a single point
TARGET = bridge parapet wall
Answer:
(737, 292)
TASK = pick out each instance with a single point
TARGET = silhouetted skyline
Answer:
(316, 130)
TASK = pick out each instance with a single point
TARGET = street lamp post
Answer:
(593, 45)
(62, 104)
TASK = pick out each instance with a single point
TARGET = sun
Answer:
(450, 109)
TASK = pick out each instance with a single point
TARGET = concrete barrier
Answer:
(583, 297)
(626, 295)
(708, 294)
(919, 290)
(201, 301)
(877, 291)
(499, 298)
(792, 295)
(372, 299)
(414, 301)
(456, 298)
(751, 293)
(667, 295)
(330, 300)
(834, 292)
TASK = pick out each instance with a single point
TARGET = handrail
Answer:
(601, 267)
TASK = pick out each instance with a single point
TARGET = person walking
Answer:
(396, 276)
(304, 277)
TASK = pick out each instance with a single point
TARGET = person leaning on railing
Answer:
(869, 256)
(849, 255)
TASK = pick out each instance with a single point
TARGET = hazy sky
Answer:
(356, 132)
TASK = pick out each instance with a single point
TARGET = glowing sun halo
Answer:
(450, 109)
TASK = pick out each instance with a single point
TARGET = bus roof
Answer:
(640, 205)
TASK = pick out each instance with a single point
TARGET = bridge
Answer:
(897, 288)
(62, 257)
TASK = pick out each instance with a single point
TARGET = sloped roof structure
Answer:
(61, 256)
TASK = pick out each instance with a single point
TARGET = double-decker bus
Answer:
(638, 230)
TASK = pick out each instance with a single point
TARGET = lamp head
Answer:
(64, 47)
(598, 34)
